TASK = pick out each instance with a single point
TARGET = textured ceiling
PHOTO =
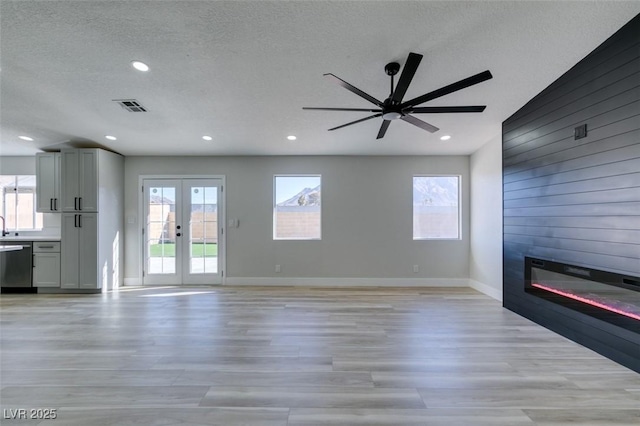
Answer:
(241, 71)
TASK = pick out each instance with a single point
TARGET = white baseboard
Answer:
(486, 289)
(348, 282)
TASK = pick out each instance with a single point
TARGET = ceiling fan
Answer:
(393, 108)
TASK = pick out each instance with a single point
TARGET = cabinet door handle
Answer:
(75, 220)
(55, 204)
(75, 203)
(33, 260)
(79, 221)
(79, 203)
(50, 203)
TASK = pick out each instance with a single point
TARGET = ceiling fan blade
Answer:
(344, 109)
(357, 121)
(353, 89)
(446, 109)
(417, 122)
(383, 129)
(408, 72)
(454, 87)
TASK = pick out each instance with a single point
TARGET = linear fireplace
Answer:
(608, 296)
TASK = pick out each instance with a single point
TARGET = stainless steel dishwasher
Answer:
(16, 267)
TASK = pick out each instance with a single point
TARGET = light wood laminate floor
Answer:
(299, 356)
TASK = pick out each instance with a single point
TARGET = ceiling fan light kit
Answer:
(393, 108)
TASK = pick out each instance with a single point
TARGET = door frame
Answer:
(222, 221)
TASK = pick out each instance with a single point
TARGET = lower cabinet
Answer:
(46, 264)
(79, 252)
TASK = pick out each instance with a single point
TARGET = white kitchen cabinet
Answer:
(79, 177)
(46, 264)
(92, 219)
(79, 251)
(48, 182)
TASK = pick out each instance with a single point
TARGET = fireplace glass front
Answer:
(611, 297)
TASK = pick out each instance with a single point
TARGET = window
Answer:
(18, 203)
(296, 207)
(436, 207)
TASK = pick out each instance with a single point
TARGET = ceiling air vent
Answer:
(131, 105)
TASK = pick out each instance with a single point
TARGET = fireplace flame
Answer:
(587, 301)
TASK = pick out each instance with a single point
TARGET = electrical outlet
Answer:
(278, 268)
(416, 269)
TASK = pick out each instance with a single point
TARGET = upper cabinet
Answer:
(48, 182)
(79, 180)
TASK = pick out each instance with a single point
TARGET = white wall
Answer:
(366, 222)
(485, 167)
(26, 165)
(18, 165)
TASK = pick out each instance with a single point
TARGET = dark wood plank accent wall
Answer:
(577, 201)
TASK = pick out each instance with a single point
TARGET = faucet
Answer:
(4, 232)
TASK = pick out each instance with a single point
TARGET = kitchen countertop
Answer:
(10, 238)
(9, 248)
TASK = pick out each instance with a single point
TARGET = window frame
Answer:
(21, 190)
(459, 237)
(274, 205)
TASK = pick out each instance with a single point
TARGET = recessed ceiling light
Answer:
(291, 138)
(111, 138)
(445, 138)
(26, 138)
(140, 66)
(207, 138)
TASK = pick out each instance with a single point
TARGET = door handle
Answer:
(79, 221)
(50, 203)
(178, 234)
(79, 203)
(75, 203)
(75, 220)
(33, 260)
(55, 204)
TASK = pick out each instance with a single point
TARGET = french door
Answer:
(182, 232)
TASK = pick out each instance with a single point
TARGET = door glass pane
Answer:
(161, 226)
(203, 230)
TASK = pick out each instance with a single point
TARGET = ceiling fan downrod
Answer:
(392, 68)
(389, 107)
